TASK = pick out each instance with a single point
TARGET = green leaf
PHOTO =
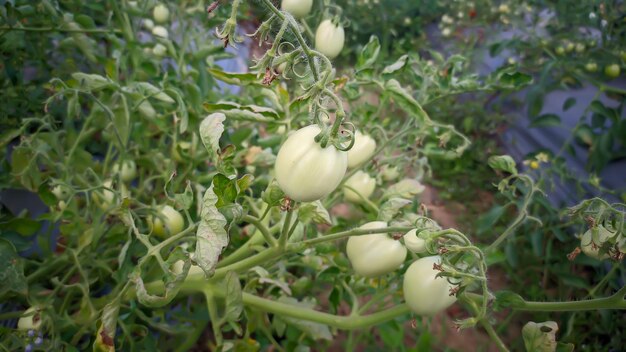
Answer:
(503, 163)
(24, 168)
(73, 106)
(92, 81)
(398, 65)
(244, 182)
(569, 103)
(405, 101)
(225, 189)
(534, 99)
(211, 129)
(390, 208)
(406, 188)
(211, 236)
(273, 195)
(546, 120)
(46, 196)
(85, 21)
(314, 211)
(11, 269)
(598, 121)
(540, 337)
(507, 77)
(184, 200)
(234, 298)
(23, 226)
(243, 112)
(239, 79)
(369, 54)
(149, 90)
(105, 336)
(486, 221)
(9, 135)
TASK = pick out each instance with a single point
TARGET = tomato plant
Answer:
(169, 183)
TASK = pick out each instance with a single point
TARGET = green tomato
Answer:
(302, 286)
(414, 243)
(580, 48)
(591, 67)
(560, 50)
(160, 13)
(32, 320)
(297, 8)
(60, 191)
(174, 222)
(424, 292)
(105, 198)
(329, 39)
(304, 170)
(376, 254)
(159, 50)
(363, 149)
(390, 173)
(160, 31)
(361, 186)
(148, 24)
(128, 170)
(592, 248)
(194, 270)
(612, 71)
(183, 150)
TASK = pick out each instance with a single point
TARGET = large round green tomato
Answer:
(174, 222)
(425, 293)
(304, 170)
(376, 254)
(363, 149)
(359, 185)
(329, 39)
(297, 8)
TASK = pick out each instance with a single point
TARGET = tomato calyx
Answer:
(335, 138)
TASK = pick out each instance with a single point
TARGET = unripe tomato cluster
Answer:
(377, 254)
